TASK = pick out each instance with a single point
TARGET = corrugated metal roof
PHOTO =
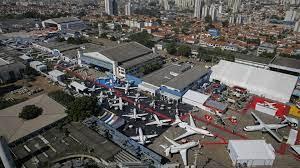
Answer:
(126, 52)
(183, 80)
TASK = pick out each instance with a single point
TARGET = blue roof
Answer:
(173, 92)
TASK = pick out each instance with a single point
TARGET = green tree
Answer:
(82, 108)
(62, 97)
(143, 38)
(171, 48)
(184, 50)
(30, 112)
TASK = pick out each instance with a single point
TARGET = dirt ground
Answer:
(39, 82)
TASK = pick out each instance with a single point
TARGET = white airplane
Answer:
(181, 148)
(190, 129)
(93, 89)
(137, 97)
(134, 115)
(290, 120)
(159, 122)
(101, 97)
(265, 127)
(126, 88)
(143, 139)
(118, 105)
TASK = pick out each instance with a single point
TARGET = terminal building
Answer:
(64, 24)
(128, 58)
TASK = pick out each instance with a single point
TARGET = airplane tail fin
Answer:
(177, 120)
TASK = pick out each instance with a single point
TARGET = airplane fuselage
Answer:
(176, 149)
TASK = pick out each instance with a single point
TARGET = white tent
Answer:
(262, 82)
(251, 152)
(194, 98)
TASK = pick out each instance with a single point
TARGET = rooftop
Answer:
(252, 149)
(183, 80)
(126, 52)
(165, 74)
(139, 60)
(65, 19)
(286, 62)
(13, 128)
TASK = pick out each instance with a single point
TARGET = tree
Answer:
(82, 108)
(184, 50)
(62, 97)
(30, 112)
(142, 38)
(171, 48)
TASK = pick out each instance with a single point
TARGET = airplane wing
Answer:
(167, 120)
(152, 123)
(127, 115)
(188, 133)
(155, 117)
(192, 123)
(144, 114)
(274, 134)
(150, 136)
(135, 138)
(276, 126)
(257, 118)
(183, 154)
(172, 142)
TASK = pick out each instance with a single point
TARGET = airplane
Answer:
(118, 105)
(134, 115)
(137, 97)
(93, 89)
(290, 120)
(101, 97)
(265, 127)
(143, 139)
(190, 129)
(181, 148)
(126, 88)
(159, 122)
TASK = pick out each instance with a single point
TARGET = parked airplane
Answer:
(159, 122)
(181, 148)
(101, 97)
(126, 88)
(190, 129)
(143, 139)
(265, 127)
(137, 97)
(134, 115)
(93, 89)
(118, 105)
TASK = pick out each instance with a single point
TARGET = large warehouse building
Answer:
(124, 59)
(173, 80)
(273, 85)
(65, 23)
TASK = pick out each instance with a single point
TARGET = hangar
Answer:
(64, 23)
(265, 83)
(128, 58)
